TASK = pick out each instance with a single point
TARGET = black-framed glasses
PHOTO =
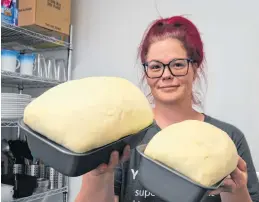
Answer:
(177, 67)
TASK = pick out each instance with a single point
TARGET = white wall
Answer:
(107, 34)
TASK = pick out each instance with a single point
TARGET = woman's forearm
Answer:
(241, 196)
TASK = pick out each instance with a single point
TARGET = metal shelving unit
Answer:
(25, 40)
(19, 38)
(13, 79)
(49, 193)
(9, 123)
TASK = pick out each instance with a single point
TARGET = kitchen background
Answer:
(106, 35)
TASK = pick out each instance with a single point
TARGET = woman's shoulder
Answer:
(151, 131)
(234, 132)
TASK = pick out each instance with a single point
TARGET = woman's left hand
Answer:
(236, 181)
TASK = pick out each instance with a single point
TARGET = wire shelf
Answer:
(19, 38)
(13, 79)
(9, 123)
(35, 197)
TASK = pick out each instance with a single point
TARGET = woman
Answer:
(172, 56)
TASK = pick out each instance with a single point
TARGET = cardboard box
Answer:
(45, 14)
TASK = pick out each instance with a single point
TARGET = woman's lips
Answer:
(169, 88)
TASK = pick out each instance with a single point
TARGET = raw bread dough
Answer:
(196, 149)
(89, 113)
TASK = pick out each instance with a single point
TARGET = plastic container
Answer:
(70, 163)
(167, 183)
(7, 11)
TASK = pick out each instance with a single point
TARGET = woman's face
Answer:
(168, 88)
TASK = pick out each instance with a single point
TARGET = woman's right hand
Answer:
(114, 161)
(98, 184)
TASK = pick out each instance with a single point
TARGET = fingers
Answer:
(216, 192)
(237, 175)
(228, 176)
(227, 186)
(126, 154)
(234, 180)
(99, 170)
(242, 165)
(240, 178)
(104, 168)
(114, 160)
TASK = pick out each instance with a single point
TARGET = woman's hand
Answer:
(101, 180)
(114, 160)
(236, 181)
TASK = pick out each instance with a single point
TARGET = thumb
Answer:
(242, 165)
(216, 192)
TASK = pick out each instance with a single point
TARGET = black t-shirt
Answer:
(128, 188)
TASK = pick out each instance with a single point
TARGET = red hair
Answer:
(176, 27)
(179, 28)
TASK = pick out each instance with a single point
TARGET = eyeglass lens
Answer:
(178, 67)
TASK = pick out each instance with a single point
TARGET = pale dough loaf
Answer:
(198, 150)
(89, 113)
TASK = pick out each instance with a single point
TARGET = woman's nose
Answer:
(167, 74)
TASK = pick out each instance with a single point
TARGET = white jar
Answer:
(9, 60)
(27, 64)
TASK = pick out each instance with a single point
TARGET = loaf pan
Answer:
(168, 184)
(70, 163)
